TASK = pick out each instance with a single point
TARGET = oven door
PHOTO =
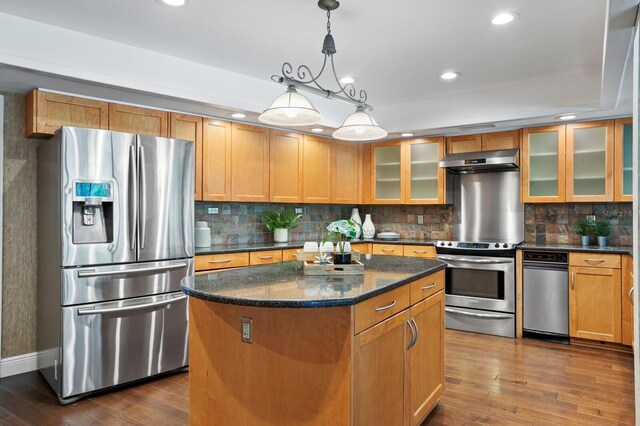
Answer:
(478, 282)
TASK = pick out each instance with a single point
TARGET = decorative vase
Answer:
(202, 235)
(368, 230)
(585, 240)
(341, 259)
(355, 216)
(602, 240)
(280, 235)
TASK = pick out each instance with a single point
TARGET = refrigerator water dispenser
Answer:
(92, 212)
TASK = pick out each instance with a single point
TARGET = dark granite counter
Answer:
(584, 249)
(283, 285)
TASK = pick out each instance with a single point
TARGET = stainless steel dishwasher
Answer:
(545, 296)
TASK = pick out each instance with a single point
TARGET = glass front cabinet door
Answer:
(425, 181)
(590, 161)
(387, 166)
(623, 150)
(543, 164)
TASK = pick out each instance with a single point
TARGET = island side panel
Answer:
(297, 371)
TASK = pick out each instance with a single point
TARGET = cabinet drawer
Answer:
(363, 248)
(381, 307)
(425, 287)
(388, 249)
(289, 254)
(221, 261)
(428, 252)
(595, 260)
(264, 257)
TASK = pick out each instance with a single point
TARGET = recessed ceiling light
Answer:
(347, 80)
(173, 3)
(504, 18)
(449, 75)
(317, 130)
(566, 117)
(238, 115)
(406, 135)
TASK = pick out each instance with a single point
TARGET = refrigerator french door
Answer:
(115, 225)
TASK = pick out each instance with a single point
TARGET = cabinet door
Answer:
(285, 172)
(387, 249)
(466, 143)
(47, 112)
(216, 160)
(145, 121)
(317, 169)
(249, 163)
(595, 304)
(346, 173)
(623, 167)
(365, 177)
(627, 304)
(543, 165)
(378, 373)
(424, 180)
(590, 161)
(425, 359)
(189, 127)
(387, 159)
(501, 140)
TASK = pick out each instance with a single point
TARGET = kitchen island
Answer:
(269, 345)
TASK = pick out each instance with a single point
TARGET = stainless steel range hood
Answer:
(484, 161)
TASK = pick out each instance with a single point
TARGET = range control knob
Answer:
(496, 245)
(450, 244)
(505, 245)
(441, 243)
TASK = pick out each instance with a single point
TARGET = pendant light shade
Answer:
(359, 126)
(291, 109)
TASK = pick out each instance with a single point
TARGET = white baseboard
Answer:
(19, 364)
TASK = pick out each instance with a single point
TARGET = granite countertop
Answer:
(576, 248)
(283, 285)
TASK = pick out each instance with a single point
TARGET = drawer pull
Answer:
(384, 308)
(219, 261)
(573, 280)
(413, 334)
(428, 287)
(388, 249)
(266, 257)
(419, 251)
(629, 295)
(594, 260)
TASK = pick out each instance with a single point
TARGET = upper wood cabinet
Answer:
(145, 121)
(543, 165)
(285, 184)
(317, 169)
(189, 127)
(623, 167)
(216, 160)
(590, 161)
(346, 173)
(387, 164)
(501, 140)
(424, 180)
(249, 163)
(365, 176)
(47, 112)
(464, 143)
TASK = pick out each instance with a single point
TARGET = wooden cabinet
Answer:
(249, 163)
(627, 304)
(145, 121)
(424, 180)
(590, 161)
(317, 169)
(189, 127)
(47, 112)
(365, 176)
(543, 165)
(216, 160)
(387, 249)
(387, 183)
(381, 307)
(464, 143)
(285, 172)
(501, 140)
(205, 262)
(595, 297)
(289, 254)
(265, 257)
(623, 166)
(363, 248)
(428, 252)
(346, 173)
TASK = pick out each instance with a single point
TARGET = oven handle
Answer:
(93, 311)
(468, 260)
(477, 315)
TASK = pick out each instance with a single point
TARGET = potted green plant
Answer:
(280, 223)
(602, 229)
(343, 230)
(582, 227)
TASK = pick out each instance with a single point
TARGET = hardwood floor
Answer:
(489, 380)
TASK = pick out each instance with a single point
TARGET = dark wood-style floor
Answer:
(489, 380)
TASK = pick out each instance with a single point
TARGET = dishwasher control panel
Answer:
(545, 256)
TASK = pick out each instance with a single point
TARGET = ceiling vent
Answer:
(478, 127)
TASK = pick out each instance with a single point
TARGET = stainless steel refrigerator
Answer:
(115, 237)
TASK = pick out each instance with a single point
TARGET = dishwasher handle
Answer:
(546, 266)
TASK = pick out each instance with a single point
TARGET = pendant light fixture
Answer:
(293, 109)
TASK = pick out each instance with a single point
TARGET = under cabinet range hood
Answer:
(483, 161)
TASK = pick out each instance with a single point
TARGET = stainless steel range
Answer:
(488, 225)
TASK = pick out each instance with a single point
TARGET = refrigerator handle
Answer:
(143, 198)
(133, 196)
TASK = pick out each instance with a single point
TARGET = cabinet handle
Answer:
(295, 256)
(594, 260)
(415, 325)
(573, 280)
(427, 287)
(419, 251)
(388, 249)
(266, 257)
(413, 335)
(629, 295)
(219, 261)
(384, 308)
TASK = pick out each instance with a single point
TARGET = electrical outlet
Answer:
(591, 217)
(298, 210)
(246, 330)
(420, 219)
(212, 210)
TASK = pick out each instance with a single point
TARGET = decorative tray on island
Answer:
(311, 268)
